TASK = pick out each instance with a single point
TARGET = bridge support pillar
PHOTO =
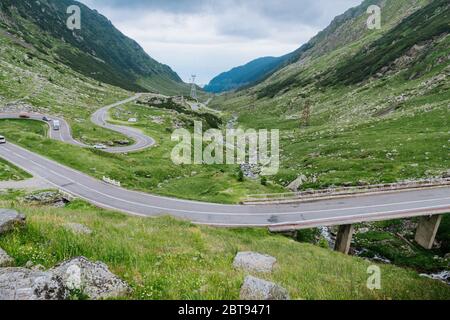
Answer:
(344, 238)
(427, 230)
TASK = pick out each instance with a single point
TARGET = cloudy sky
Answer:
(207, 37)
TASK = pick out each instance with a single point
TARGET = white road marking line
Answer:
(313, 221)
(215, 213)
(150, 195)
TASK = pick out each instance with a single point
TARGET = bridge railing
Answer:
(343, 191)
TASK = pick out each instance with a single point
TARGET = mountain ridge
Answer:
(348, 119)
(112, 58)
(333, 37)
(252, 72)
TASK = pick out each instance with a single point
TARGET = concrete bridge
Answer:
(425, 234)
(430, 218)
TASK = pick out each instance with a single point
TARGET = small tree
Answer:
(240, 175)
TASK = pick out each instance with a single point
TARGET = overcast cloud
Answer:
(207, 37)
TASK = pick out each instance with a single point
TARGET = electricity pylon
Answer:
(194, 88)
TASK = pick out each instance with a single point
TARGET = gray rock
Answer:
(446, 174)
(254, 262)
(5, 259)
(297, 183)
(25, 284)
(38, 267)
(53, 198)
(447, 256)
(363, 230)
(251, 171)
(9, 219)
(257, 289)
(93, 279)
(78, 228)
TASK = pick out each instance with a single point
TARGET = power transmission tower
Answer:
(194, 88)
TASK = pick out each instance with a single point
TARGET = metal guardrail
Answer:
(344, 191)
(112, 182)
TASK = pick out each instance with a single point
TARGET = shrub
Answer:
(240, 175)
(264, 181)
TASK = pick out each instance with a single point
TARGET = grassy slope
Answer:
(163, 85)
(423, 25)
(34, 79)
(357, 133)
(385, 129)
(50, 87)
(167, 259)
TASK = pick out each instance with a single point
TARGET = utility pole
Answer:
(194, 88)
(306, 114)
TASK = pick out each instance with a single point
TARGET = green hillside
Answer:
(423, 26)
(243, 75)
(112, 58)
(391, 126)
(344, 30)
(342, 122)
(251, 73)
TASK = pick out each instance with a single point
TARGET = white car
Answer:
(2, 140)
(56, 125)
(100, 147)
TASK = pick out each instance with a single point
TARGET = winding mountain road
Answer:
(64, 134)
(141, 140)
(305, 215)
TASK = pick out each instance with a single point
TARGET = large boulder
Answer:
(5, 260)
(297, 183)
(9, 219)
(254, 262)
(92, 279)
(78, 228)
(25, 284)
(258, 289)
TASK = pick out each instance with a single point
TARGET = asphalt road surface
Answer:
(320, 213)
(302, 215)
